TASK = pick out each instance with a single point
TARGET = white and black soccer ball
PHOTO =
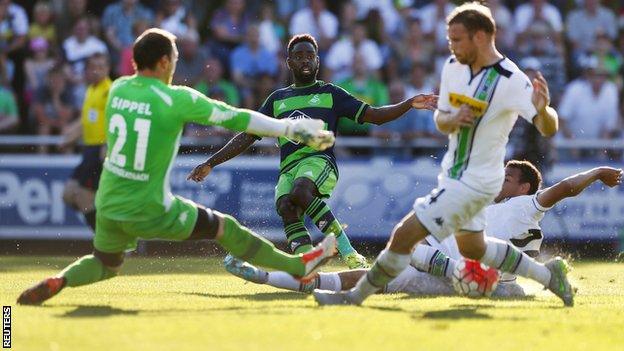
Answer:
(474, 279)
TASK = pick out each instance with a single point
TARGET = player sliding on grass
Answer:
(514, 217)
(481, 95)
(145, 117)
(308, 176)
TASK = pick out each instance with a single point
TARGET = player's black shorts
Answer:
(87, 174)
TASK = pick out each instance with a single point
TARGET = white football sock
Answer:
(433, 261)
(507, 258)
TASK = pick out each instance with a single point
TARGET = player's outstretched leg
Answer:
(507, 258)
(390, 263)
(326, 222)
(246, 245)
(86, 270)
(282, 280)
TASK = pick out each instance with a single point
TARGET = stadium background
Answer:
(380, 51)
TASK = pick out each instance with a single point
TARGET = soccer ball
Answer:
(474, 279)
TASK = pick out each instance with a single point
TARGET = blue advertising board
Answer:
(371, 197)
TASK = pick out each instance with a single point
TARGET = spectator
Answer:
(348, 18)
(249, 61)
(536, 43)
(318, 21)
(212, 80)
(414, 47)
(53, 107)
(191, 59)
(536, 10)
(174, 17)
(364, 86)
(607, 55)
(286, 8)
(37, 66)
(9, 119)
(422, 123)
(272, 32)
(386, 9)
(76, 50)
(43, 25)
(117, 22)
(589, 107)
(340, 56)
(126, 67)
(505, 31)
(586, 23)
(433, 21)
(13, 38)
(229, 25)
(400, 128)
(67, 15)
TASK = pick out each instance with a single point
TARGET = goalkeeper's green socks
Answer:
(245, 245)
(86, 270)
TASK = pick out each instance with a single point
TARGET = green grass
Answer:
(192, 304)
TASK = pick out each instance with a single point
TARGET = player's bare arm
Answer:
(575, 184)
(547, 120)
(384, 114)
(233, 148)
(449, 123)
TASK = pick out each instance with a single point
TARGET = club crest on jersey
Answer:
(296, 114)
(315, 100)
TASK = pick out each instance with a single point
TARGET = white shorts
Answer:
(451, 207)
(414, 282)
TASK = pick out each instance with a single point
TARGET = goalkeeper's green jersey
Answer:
(144, 122)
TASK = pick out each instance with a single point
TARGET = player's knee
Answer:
(207, 225)
(286, 208)
(473, 252)
(112, 261)
(301, 195)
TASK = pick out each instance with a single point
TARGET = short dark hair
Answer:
(474, 16)
(528, 174)
(151, 46)
(300, 38)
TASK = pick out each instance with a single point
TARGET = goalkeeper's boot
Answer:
(244, 270)
(559, 283)
(355, 261)
(326, 297)
(318, 256)
(42, 291)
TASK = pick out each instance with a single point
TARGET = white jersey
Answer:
(497, 95)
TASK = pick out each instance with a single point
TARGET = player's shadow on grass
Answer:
(85, 311)
(268, 296)
(457, 313)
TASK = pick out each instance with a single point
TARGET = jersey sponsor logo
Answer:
(166, 98)
(478, 107)
(296, 114)
(315, 100)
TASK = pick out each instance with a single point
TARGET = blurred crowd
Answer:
(381, 51)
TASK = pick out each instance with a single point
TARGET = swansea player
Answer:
(308, 176)
(515, 217)
(481, 95)
(145, 117)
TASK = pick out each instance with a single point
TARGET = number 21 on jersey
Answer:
(118, 126)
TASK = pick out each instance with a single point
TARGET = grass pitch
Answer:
(193, 304)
